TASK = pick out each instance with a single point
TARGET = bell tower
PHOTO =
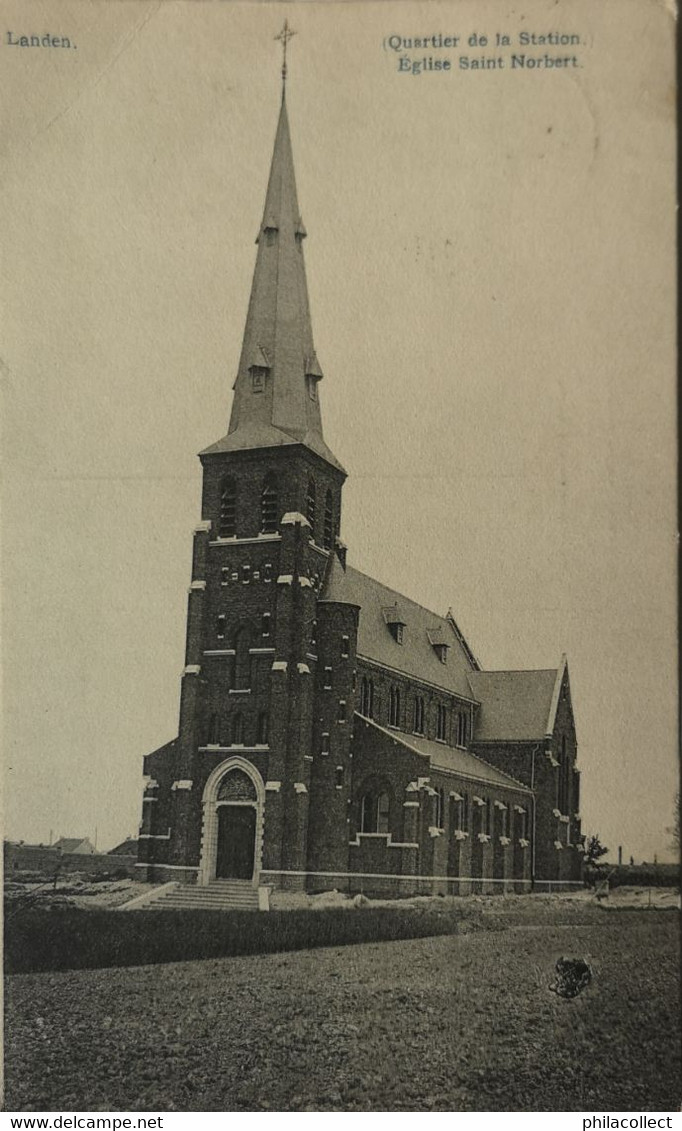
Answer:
(270, 521)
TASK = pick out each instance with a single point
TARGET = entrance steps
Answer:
(219, 895)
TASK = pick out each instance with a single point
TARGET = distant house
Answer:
(127, 847)
(80, 846)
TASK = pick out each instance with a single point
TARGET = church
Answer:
(334, 733)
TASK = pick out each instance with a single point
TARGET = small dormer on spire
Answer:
(259, 370)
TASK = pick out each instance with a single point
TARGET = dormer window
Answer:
(313, 373)
(258, 379)
(395, 622)
(259, 369)
(440, 643)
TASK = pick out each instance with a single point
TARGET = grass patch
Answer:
(456, 1023)
(67, 938)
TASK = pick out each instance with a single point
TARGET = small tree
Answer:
(594, 850)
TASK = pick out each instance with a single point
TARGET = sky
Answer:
(491, 270)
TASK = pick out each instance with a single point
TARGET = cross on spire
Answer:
(284, 36)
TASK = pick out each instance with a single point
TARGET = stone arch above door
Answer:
(234, 782)
(236, 785)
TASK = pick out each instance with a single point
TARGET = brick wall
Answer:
(46, 861)
(409, 689)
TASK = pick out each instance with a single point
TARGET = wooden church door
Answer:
(236, 842)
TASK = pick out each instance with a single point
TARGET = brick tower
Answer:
(230, 796)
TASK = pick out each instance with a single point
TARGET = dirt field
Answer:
(80, 892)
(463, 1023)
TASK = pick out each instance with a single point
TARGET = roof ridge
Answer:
(513, 671)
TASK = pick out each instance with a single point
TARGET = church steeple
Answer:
(276, 398)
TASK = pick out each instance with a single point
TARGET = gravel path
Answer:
(463, 1023)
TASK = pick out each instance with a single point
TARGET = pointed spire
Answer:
(276, 391)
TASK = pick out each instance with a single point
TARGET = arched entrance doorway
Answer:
(233, 823)
(236, 849)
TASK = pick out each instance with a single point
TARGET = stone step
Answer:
(220, 895)
(170, 906)
(248, 892)
(205, 901)
(221, 899)
(208, 894)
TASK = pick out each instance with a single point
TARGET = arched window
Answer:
(464, 813)
(367, 814)
(213, 730)
(310, 506)
(269, 506)
(328, 538)
(366, 697)
(394, 707)
(364, 683)
(383, 813)
(440, 808)
(522, 824)
(442, 722)
(238, 729)
(419, 715)
(227, 525)
(374, 812)
(241, 679)
(263, 721)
